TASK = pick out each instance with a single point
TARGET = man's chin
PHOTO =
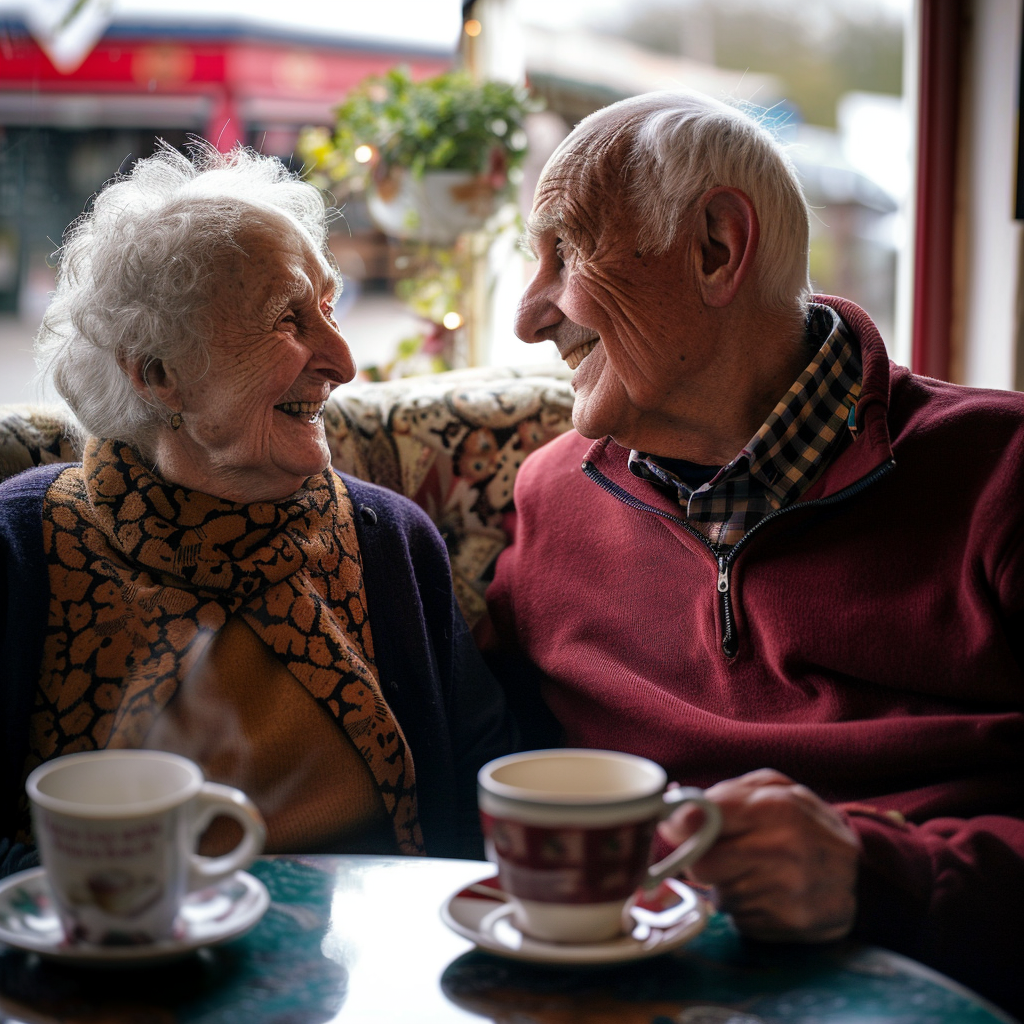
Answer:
(588, 426)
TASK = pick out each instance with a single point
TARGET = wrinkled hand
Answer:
(785, 863)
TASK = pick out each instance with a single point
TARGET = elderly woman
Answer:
(204, 582)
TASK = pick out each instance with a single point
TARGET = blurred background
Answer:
(88, 86)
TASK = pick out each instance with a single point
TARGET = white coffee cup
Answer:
(571, 832)
(117, 832)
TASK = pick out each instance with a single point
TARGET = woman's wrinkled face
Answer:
(252, 418)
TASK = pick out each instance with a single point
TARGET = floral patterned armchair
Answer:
(453, 442)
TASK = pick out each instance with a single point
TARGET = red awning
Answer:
(249, 81)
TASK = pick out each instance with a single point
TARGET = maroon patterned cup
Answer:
(117, 832)
(571, 832)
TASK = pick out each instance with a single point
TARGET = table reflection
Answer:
(718, 979)
(359, 939)
(277, 972)
(385, 930)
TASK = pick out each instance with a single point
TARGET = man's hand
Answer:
(785, 863)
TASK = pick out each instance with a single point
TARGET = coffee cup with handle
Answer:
(117, 832)
(571, 831)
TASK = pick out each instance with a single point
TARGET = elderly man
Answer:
(769, 556)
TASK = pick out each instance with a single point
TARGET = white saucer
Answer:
(222, 912)
(482, 913)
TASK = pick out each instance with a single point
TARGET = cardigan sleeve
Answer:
(24, 601)
(450, 707)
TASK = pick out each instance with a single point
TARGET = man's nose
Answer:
(537, 314)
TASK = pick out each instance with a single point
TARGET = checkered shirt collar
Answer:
(792, 447)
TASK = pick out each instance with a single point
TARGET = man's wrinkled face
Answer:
(625, 321)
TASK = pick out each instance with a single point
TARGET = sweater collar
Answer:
(872, 447)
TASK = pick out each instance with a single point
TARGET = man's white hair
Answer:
(135, 272)
(670, 148)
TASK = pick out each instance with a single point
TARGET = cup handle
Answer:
(212, 800)
(697, 845)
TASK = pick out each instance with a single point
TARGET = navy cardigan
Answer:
(451, 709)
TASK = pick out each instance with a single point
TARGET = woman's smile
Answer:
(313, 410)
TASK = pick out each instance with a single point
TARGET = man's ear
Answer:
(727, 231)
(151, 380)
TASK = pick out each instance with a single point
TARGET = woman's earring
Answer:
(176, 420)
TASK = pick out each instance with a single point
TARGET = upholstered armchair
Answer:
(453, 442)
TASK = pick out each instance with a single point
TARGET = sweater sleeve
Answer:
(497, 636)
(948, 892)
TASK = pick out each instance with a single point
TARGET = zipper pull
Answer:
(723, 576)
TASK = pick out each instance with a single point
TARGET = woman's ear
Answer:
(727, 232)
(151, 380)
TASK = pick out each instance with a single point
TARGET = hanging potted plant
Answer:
(434, 156)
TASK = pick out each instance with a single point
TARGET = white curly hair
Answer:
(134, 273)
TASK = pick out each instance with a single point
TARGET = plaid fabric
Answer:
(803, 433)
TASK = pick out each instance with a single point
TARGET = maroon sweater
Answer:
(869, 643)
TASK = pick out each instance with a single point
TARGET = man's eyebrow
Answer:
(537, 225)
(548, 220)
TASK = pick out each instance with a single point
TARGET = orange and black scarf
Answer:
(143, 574)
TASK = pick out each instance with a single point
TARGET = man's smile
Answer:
(578, 354)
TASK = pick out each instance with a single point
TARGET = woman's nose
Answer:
(331, 354)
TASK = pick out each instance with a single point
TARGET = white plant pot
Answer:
(436, 208)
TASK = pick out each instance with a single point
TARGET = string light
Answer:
(363, 154)
(472, 27)
(452, 320)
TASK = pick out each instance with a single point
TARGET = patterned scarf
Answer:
(143, 573)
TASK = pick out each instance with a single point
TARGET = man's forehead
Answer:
(575, 186)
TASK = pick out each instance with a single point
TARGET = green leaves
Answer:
(448, 122)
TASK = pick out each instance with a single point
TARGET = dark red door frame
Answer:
(941, 44)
